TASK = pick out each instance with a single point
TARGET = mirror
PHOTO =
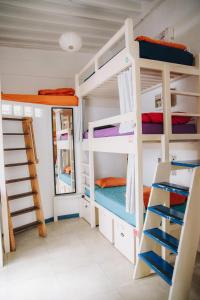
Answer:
(63, 150)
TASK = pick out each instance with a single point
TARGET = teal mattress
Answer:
(66, 178)
(113, 199)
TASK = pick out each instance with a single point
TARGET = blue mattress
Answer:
(66, 178)
(113, 199)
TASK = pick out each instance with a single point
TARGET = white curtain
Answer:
(125, 86)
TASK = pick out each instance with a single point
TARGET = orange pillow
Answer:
(67, 169)
(110, 182)
(60, 91)
(175, 199)
(161, 42)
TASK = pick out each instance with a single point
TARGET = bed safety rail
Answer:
(128, 117)
(124, 36)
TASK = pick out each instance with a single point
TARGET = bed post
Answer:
(91, 174)
(165, 140)
(133, 52)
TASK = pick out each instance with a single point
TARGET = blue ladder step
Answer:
(172, 188)
(187, 163)
(163, 238)
(168, 213)
(159, 265)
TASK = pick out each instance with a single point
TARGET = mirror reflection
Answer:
(63, 150)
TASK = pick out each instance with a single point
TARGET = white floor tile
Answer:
(76, 263)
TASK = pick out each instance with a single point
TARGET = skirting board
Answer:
(63, 217)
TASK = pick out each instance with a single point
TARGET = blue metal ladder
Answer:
(154, 239)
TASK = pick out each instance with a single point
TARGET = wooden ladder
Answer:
(31, 162)
(154, 239)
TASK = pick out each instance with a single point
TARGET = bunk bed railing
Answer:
(112, 120)
(126, 33)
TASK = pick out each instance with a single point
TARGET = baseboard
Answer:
(62, 217)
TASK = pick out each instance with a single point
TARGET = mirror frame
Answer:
(54, 173)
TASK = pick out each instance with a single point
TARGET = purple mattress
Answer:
(147, 128)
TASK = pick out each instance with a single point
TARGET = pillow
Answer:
(158, 118)
(60, 91)
(175, 199)
(161, 42)
(110, 182)
(146, 118)
(67, 169)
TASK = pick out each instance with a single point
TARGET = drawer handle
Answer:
(122, 234)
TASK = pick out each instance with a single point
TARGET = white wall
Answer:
(27, 71)
(182, 15)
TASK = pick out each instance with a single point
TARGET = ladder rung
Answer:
(20, 179)
(24, 211)
(172, 188)
(163, 238)
(10, 133)
(187, 163)
(19, 164)
(15, 149)
(26, 226)
(22, 195)
(159, 265)
(168, 213)
(12, 119)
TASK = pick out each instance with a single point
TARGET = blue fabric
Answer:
(66, 178)
(114, 200)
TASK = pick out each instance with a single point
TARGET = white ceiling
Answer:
(38, 24)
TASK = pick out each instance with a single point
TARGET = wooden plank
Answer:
(31, 156)
(27, 226)
(42, 99)
(23, 211)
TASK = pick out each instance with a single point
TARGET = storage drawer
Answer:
(85, 210)
(106, 224)
(124, 239)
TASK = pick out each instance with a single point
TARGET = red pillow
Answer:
(175, 199)
(158, 118)
(146, 118)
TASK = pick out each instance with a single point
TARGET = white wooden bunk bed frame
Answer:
(147, 74)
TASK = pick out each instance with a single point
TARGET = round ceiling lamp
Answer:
(70, 41)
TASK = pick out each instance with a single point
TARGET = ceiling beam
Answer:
(70, 9)
(42, 46)
(53, 18)
(125, 5)
(15, 23)
(24, 33)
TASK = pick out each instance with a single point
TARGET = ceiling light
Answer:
(70, 41)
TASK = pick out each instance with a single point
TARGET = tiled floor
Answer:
(76, 263)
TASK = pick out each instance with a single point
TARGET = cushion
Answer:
(110, 182)
(67, 169)
(156, 117)
(60, 91)
(175, 199)
(161, 42)
(146, 118)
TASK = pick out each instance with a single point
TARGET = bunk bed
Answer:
(99, 79)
